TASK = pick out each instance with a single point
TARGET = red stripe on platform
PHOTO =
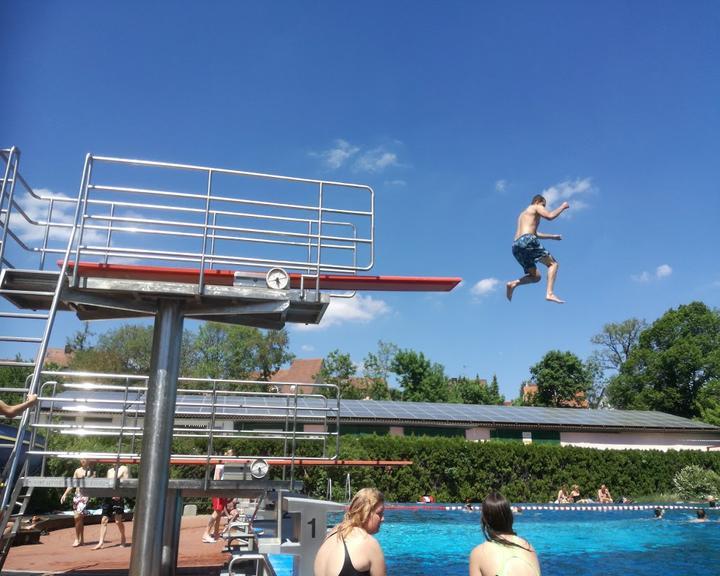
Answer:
(226, 278)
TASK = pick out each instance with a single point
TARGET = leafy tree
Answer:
(271, 351)
(561, 378)
(616, 341)
(708, 403)
(420, 379)
(377, 369)
(125, 350)
(338, 369)
(675, 359)
(217, 350)
(476, 391)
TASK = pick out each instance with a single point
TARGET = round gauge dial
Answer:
(277, 279)
(259, 468)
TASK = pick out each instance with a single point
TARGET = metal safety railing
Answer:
(156, 213)
(112, 406)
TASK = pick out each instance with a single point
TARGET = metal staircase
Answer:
(115, 252)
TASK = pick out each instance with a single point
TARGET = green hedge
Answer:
(452, 469)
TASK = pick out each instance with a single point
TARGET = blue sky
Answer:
(456, 113)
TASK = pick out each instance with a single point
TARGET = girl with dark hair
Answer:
(504, 553)
(350, 549)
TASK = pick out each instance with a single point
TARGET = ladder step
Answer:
(16, 363)
(36, 340)
(27, 292)
(24, 315)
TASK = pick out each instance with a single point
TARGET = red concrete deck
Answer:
(55, 554)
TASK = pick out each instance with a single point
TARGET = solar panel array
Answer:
(404, 413)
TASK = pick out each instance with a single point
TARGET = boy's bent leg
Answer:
(532, 277)
(552, 265)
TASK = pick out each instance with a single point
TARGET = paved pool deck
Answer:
(56, 555)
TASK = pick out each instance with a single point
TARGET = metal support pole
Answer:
(148, 528)
(171, 538)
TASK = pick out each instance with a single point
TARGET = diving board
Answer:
(227, 278)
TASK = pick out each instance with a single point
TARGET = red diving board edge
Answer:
(226, 278)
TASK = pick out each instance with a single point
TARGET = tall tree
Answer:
(377, 369)
(676, 357)
(338, 369)
(708, 403)
(562, 379)
(616, 341)
(475, 391)
(125, 350)
(420, 379)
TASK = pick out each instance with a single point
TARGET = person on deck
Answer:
(604, 496)
(563, 497)
(113, 506)
(351, 549)
(528, 251)
(8, 411)
(575, 494)
(79, 501)
(504, 553)
(212, 532)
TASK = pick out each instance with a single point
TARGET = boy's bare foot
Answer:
(32, 399)
(77, 543)
(509, 289)
(553, 298)
(99, 546)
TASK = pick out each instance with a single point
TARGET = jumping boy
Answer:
(527, 248)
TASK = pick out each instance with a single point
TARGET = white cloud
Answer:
(501, 185)
(337, 156)
(307, 348)
(484, 286)
(662, 271)
(359, 159)
(570, 189)
(397, 182)
(375, 160)
(359, 310)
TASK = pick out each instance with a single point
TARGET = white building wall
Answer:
(640, 440)
(477, 434)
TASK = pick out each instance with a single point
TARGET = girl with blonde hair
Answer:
(350, 549)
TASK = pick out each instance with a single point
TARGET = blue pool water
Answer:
(583, 543)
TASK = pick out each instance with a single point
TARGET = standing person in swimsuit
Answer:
(504, 553)
(79, 501)
(212, 532)
(113, 506)
(350, 549)
(527, 248)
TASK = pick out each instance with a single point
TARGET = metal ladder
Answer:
(15, 500)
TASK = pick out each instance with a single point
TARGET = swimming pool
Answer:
(583, 543)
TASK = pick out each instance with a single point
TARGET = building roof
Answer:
(301, 371)
(386, 412)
